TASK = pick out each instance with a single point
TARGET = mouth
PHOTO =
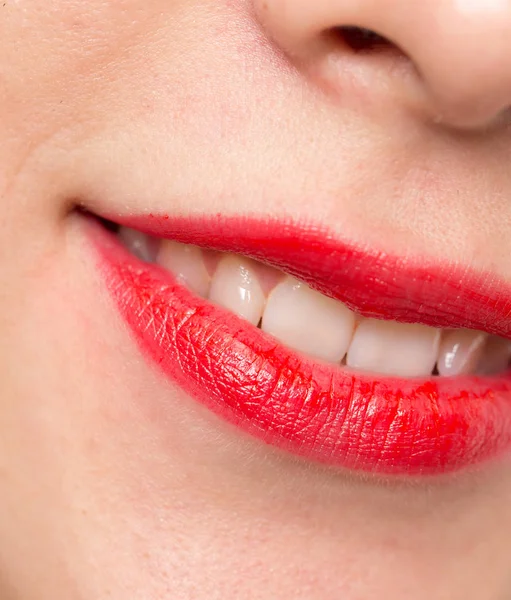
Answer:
(339, 354)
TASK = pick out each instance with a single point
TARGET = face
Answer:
(178, 421)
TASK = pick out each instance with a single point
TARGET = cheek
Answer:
(58, 57)
(72, 69)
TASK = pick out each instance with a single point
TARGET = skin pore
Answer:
(116, 485)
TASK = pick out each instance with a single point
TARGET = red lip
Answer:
(327, 413)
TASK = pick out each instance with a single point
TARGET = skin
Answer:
(114, 483)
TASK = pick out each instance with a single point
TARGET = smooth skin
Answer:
(115, 484)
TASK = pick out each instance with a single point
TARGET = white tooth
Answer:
(235, 286)
(460, 351)
(308, 321)
(186, 263)
(496, 356)
(139, 244)
(405, 350)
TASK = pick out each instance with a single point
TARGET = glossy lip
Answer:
(323, 412)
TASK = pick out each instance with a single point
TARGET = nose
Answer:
(461, 49)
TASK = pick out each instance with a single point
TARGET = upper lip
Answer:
(370, 282)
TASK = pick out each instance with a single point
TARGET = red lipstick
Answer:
(323, 412)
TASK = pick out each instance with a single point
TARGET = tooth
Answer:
(405, 350)
(235, 286)
(139, 244)
(496, 356)
(308, 321)
(460, 351)
(186, 263)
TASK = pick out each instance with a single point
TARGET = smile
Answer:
(339, 354)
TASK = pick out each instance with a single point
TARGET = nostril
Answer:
(361, 40)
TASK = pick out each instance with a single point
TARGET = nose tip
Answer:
(460, 49)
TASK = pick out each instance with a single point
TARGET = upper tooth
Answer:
(139, 244)
(186, 264)
(319, 326)
(460, 351)
(406, 350)
(308, 321)
(235, 286)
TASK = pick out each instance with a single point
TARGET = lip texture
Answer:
(323, 412)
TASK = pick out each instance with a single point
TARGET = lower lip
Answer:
(321, 412)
